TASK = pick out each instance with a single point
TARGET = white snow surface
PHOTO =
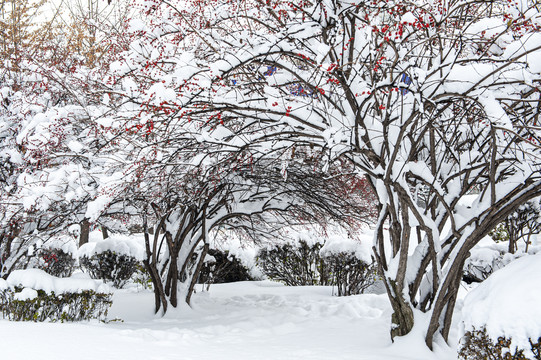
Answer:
(507, 303)
(120, 244)
(37, 279)
(246, 320)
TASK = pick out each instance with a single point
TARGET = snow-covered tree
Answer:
(47, 135)
(20, 40)
(187, 169)
(437, 102)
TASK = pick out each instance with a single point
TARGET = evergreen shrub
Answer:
(223, 268)
(294, 264)
(110, 266)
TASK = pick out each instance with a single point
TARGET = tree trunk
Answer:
(402, 317)
(85, 232)
(512, 236)
(445, 301)
(197, 272)
(172, 258)
(104, 232)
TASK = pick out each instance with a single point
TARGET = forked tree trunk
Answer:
(173, 257)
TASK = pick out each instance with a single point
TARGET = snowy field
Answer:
(245, 320)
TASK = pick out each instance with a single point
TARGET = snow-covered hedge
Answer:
(34, 295)
(334, 260)
(114, 259)
(502, 315)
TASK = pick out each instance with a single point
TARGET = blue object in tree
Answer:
(406, 80)
(270, 71)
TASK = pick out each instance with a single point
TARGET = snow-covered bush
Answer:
(33, 295)
(490, 256)
(482, 262)
(294, 264)
(499, 233)
(337, 260)
(114, 259)
(502, 316)
(57, 256)
(57, 262)
(351, 268)
(478, 345)
(223, 267)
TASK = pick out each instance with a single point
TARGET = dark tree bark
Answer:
(85, 232)
(104, 232)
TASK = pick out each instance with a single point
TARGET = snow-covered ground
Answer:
(245, 320)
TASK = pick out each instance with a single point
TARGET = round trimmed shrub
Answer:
(350, 274)
(114, 259)
(110, 266)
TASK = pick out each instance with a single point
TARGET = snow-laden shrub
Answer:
(489, 257)
(114, 259)
(223, 267)
(110, 266)
(58, 256)
(33, 295)
(481, 263)
(56, 262)
(337, 260)
(502, 315)
(499, 233)
(351, 268)
(294, 264)
(478, 345)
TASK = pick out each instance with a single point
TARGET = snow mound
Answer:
(507, 303)
(120, 244)
(26, 294)
(39, 280)
(336, 244)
